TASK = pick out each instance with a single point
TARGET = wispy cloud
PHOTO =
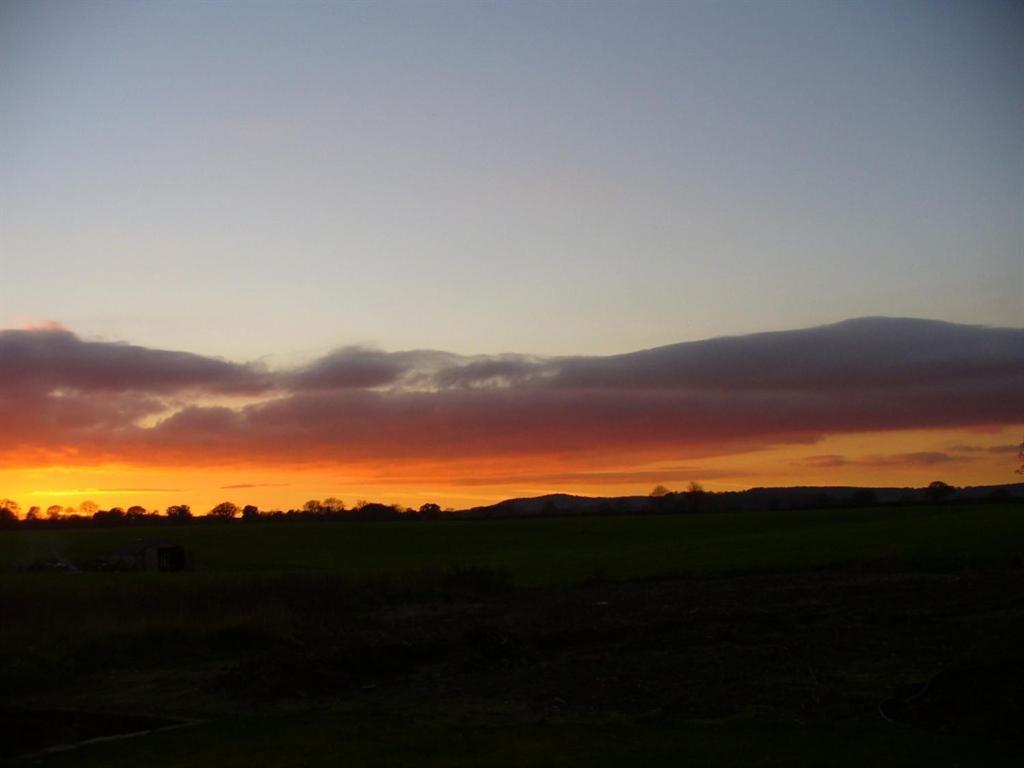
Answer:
(105, 491)
(997, 449)
(912, 459)
(253, 485)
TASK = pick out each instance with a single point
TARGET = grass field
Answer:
(721, 639)
(563, 551)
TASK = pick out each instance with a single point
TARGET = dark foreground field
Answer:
(860, 637)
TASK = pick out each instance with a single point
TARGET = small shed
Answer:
(154, 555)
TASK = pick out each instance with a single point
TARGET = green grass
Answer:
(331, 739)
(249, 577)
(561, 551)
(291, 602)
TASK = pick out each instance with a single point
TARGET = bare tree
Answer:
(225, 510)
(333, 504)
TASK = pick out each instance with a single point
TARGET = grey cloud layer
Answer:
(867, 352)
(48, 360)
(361, 404)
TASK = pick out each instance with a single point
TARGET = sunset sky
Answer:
(457, 252)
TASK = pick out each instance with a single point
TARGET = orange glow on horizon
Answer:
(904, 458)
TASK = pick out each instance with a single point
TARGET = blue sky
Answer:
(248, 179)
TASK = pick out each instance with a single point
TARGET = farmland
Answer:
(564, 551)
(726, 639)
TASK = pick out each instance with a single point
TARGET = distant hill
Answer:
(753, 499)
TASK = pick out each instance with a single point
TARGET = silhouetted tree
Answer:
(658, 491)
(332, 505)
(54, 511)
(108, 516)
(9, 510)
(939, 491)
(88, 508)
(250, 512)
(135, 512)
(374, 511)
(430, 511)
(180, 513)
(34, 513)
(695, 496)
(312, 507)
(224, 511)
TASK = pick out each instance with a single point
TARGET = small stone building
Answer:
(154, 555)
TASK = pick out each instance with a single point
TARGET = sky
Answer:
(278, 245)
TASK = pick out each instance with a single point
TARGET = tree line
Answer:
(661, 500)
(89, 513)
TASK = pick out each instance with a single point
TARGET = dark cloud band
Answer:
(61, 393)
